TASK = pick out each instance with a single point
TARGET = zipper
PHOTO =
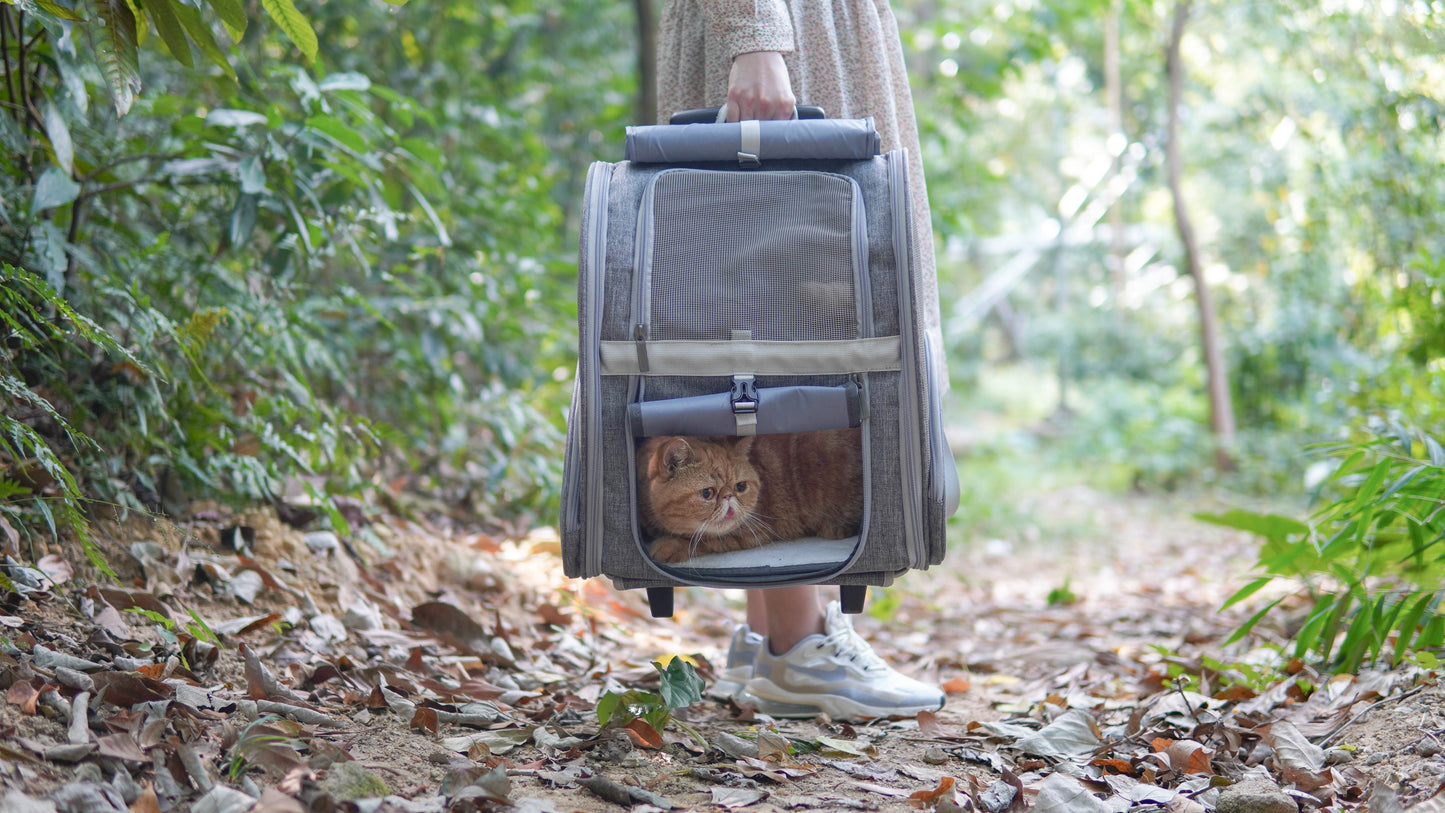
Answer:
(861, 286)
(599, 183)
(908, 412)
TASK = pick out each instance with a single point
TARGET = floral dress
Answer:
(842, 55)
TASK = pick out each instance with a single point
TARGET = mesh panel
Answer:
(769, 252)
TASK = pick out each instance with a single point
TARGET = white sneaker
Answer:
(742, 649)
(838, 674)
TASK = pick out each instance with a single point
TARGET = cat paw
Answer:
(669, 549)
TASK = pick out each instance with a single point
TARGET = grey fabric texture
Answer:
(796, 251)
(812, 139)
(778, 410)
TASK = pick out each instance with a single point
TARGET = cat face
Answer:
(698, 487)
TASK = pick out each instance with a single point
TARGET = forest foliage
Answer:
(255, 250)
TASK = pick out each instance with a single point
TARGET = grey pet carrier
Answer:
(754, 278)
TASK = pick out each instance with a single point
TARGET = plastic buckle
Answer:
(744, 396)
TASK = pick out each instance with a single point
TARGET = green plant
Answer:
(270, 740)
(1370, 558)
(680, 686)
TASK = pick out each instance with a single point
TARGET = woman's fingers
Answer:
(759, 88)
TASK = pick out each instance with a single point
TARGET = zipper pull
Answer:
(639, 334)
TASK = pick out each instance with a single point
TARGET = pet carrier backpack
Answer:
(753, 278)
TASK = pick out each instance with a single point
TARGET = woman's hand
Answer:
(759, 88)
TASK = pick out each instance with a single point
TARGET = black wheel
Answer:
(659, 599)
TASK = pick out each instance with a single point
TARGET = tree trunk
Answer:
(1221, 408)
(646, 112)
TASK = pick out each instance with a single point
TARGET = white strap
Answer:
(750, 142)
(745, 423)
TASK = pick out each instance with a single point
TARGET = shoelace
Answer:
(848, 644)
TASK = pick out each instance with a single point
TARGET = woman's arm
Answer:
(756, 33)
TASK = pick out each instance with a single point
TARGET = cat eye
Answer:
(707, 493)
(740, 487)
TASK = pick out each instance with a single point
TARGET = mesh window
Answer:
(769, 252)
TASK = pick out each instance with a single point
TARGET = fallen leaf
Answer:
(24, 695)
(274, 801)
(425, 719)
(957, 685)
(56, 568)
(772, 746)
(930, 726)
(643, 734)
(1073, 733)
(737, 797)
(146, 802)
(1063, 794)
(125, 689)
(932, 797)
(121, 746)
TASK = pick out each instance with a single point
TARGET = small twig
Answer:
(1346, 724)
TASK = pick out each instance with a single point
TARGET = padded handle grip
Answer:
(708, 115)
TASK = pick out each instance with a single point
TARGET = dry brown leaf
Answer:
(125, 689)
(147, 802)
(924, 798)
(772, 746)
(56, 568)
(643, 735)
(957, 685)
(455, 628)
(1122, 766)
(554, 615)
(131, 599)
(425, 719)
(274, 801)
(24, 695)
(121, 746)
(930, 726)
(262, 685)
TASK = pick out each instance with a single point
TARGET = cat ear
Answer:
(744, 444)
(673, 455)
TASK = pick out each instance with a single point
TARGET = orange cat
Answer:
(699, 495)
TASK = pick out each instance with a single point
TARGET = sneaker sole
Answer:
(778, 702)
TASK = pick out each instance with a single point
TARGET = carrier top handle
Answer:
(709, 115)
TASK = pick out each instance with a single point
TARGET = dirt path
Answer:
(463, 673)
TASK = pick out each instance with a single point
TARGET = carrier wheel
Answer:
(851, 597)
(659, 600)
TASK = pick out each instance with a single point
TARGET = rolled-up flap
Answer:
(780, 410)
(841, 139)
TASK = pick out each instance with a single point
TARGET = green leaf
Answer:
(53, 8)
(252, 175)
(163, 17)
(226, 117)
(1402, 481)
(59, 134)
(200, 33)
(1269, 526)
(1246, 591)
(607, 705)
(233, 16)
(680, 684)
(242, 222)
(294, 24)
(55, 188)
(338, 132)
(1253, 620)
(346, 80)
(116, 52)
